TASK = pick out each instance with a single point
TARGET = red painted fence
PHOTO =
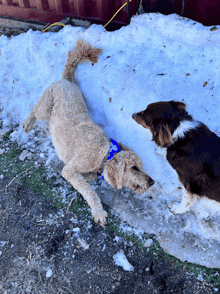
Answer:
(101, 11)
(55, 10)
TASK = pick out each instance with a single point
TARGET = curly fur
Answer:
(79, 142)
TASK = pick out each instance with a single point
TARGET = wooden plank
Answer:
(79, 7)
(24, 3)
(18, 23)
(45, 16)
(42, 4)
(59, 6)
(7, 2)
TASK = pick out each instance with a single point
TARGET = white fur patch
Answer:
(186, 203)
(184, 126)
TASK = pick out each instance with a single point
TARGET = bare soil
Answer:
(45, 250)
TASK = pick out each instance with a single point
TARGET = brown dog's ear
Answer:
(162, 135)
(138, 118)
(178, 105)
(113, 172)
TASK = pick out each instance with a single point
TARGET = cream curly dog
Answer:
(79, 142)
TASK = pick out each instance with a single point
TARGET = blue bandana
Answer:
(114, 148)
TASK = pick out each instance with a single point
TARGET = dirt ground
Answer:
(45, 250)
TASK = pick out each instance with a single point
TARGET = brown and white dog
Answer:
(192, 149)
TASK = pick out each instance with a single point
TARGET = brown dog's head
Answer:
(125, 169)
(162, 119)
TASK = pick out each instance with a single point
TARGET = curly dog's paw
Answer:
(100, 217)
(28, 125)
(29, 122)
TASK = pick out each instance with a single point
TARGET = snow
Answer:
(121, 260)
(155, 58)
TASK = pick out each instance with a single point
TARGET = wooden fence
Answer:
(101, 11)
(49, 11)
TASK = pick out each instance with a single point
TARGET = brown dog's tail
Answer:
(83, 51)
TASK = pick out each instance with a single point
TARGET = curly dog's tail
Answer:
(83, 51)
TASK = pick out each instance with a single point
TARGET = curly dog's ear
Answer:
(162, 135)
(113, 172)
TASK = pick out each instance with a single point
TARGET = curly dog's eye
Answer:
(134, 168)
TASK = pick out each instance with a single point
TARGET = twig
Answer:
(16, 177)
(71, 202)
(67, 289)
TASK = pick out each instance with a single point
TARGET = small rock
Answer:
(2, 133)
(76, 229)
(200, 278)
(1, 177)
(83, 243)
(148, 243)
(23, 155)
(29, 155)
(2, 151)
(2, 243)
(49, 273)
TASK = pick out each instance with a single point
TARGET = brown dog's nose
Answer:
(151, 182)
(133, 115)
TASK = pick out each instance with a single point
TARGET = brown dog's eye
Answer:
(134, 168)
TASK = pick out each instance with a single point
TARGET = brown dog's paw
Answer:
(100, 217)
(177, 208)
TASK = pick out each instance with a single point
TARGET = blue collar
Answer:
(114, 148)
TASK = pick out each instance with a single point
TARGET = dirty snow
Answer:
(155, 58)
(121, 260)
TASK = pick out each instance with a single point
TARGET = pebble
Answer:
(83, 243)
(2, 133)
(2, 151)
(23, 155)
(49, 273)
(76, 229)
(148, 243)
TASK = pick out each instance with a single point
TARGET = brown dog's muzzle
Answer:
(138, 117)
(134, 115)
(151, 182)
